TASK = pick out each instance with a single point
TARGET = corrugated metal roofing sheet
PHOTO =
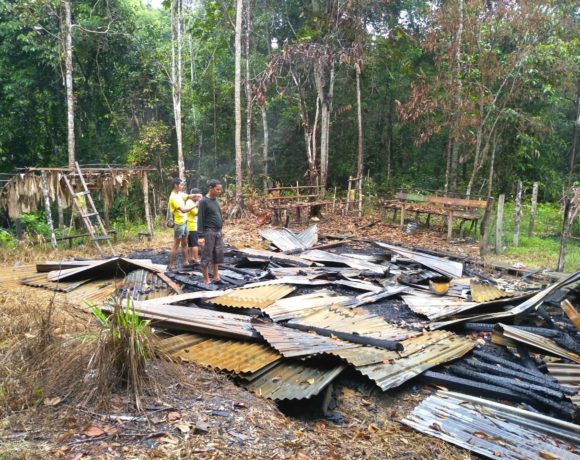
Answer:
(173, 344)
(342, 319)
(567, 375)
(293, 380)
(39, 280)
(309, 237)
(363, 356)
(94, 291)
(316, 255)
(390, 375)
(509, 336)
(533, 302)
(446, 267)
(494, 430)
(282, 238)
(256, 297)
(302, 305)
(486, 292)
(200, 320)
(292, 343)
(236, 356)
(435, 307)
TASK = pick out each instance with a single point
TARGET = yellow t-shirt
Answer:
(192, 219)
(176, 201)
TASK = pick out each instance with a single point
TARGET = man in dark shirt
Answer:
(209, 227)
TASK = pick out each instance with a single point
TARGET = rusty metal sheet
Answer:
(39, 280)
(509, 336)
(336, 318)
(173, 344)
(255, 297)
(494, 430)
(294, 380)
(299, 306)
(317, 255)
(486, 292)
(199, 320)
(364, 356)
(292, 343)
(239, 357)
(96, 291)
(533, 302)
(393, 374)
(446, 267)
(567, 375)
(293, 280)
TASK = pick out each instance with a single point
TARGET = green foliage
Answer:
(35, 226)
(151, 146)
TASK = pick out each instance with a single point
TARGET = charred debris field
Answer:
(319, 346)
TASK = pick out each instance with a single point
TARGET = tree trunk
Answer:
(47, 211)
(176, 78)
(359, 162)
(265, 146)
(499, 225)
(533, 210)
(249, 98)
(575, 133)
(238, 107)
(70, 102)
(517, 214)
(145, 185)
(565, 234)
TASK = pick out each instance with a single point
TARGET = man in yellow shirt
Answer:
(179, 210)
(192, 238)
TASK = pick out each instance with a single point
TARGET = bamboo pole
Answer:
(47, 211)
(517, 214)
(145, 184)
(533, 210)
(565, 234)
(499, 224)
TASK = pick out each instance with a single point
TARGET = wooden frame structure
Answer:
(29, 187)
(285, 200)
(463, 209)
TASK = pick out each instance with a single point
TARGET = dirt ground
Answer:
(203, 414)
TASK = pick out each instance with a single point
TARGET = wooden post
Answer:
(59, 208)
(360, 196)
(533, 210)
(450, 225)
(484, 228)
(348, 195)
(565, 234)
(145, 184)
(18, 225)
(334, 200)
(47, 212)
(499, 224)
(517, 214)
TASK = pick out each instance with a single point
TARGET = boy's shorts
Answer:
(192, 238)
(180, 231)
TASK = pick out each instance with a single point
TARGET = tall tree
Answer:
(238, 108)
(176, 77)
(70, 100)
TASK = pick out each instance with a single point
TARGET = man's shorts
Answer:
(212, 252)
(180, 231)
(192, 238)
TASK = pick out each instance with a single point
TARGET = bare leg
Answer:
(216, 272)
(195, 254)
(205, 273)
(173, 253)
(184, 255)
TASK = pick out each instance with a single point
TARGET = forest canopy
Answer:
(465, 96)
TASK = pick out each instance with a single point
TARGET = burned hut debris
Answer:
(286, 323)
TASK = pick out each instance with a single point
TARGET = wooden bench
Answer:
(71, 238)
(286, 200)
(450, 208)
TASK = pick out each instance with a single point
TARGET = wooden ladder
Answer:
(87, 210)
